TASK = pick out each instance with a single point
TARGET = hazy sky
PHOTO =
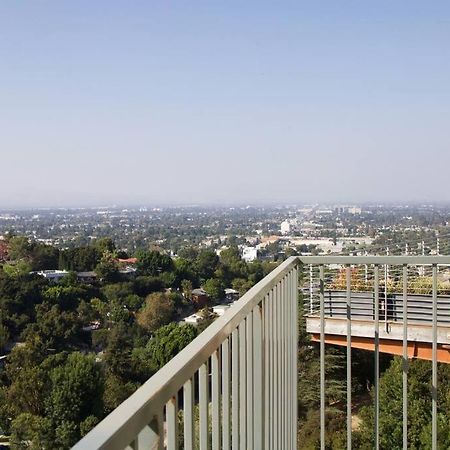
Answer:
(223, 101)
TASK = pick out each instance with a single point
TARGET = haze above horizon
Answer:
(234, 102)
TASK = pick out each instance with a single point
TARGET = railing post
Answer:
(405, 357)
(322, 359)
(258, 371)
(349, 359)
(376, 288)
(434, 364)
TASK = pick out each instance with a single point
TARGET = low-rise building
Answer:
(199, 297)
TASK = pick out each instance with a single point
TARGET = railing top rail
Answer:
(118, 429)
(390, 260)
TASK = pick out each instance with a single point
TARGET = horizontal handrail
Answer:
(390, 260)
(120, 427)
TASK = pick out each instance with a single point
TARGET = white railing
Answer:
(234, 386)
(378, 275)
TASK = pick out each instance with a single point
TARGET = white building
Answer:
(249, 254)
(53, 275)
(220, 309)
(285, 227)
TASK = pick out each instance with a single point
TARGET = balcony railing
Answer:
(235, 385)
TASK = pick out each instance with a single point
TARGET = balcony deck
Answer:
(362, 309)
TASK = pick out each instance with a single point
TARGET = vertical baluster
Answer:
(235, 389)
(215, 381)
(405, 357)
(283, 364)
(250, 379)
(322, 357)
(226, 432)
(204, 406)
(188, 414)
(278, 368)
(242, 386)
(276, 364)
(349, 360)
(266, 339)
(295, 340)
(172, 423)
(289, 358)
(377, 355)
(434, 364)
(258, 424)
(272, 411)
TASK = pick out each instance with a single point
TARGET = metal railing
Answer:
(234, 386)
(379, 276)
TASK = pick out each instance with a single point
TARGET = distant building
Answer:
(87, 277)
(53, 276)
(128, 271)
(193, 319)
(354, 210)
(220, 309)
(285, 227)
(231, 294)
(127, 261)
(249, 254)
(199, 297)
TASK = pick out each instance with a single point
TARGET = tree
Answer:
(105, 245)
(153, 263)
(242, 285)
(206, 263)
(168, 341)
(4, 336)
(56, 329)
(157, 311)
(78, 383)
(19, 248)
(116, 391)
(108, 269)
(18, 268)
(419, 407)
(31, 432)
(44, 257)
(186, 288)
(214, 288)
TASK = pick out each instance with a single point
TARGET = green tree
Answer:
(157, 311)
(152, 263)
(419, 407)
(76, 394)
(168, 341)
(108, 269)
(206, 263)
(105, 245)
(31, 432)
(4, 336)
(214, 288)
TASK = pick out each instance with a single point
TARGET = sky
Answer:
(181, 102)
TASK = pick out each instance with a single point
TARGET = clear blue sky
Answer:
(231, 101)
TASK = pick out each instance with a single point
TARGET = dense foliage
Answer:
(75, 350)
